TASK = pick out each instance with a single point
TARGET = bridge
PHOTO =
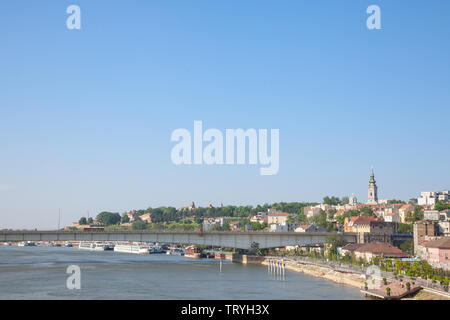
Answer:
(224, 239)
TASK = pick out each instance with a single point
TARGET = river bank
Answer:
(346, 278)
(350, 279)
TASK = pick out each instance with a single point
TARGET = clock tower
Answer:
(373, 190)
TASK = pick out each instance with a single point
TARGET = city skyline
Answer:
(89, 214)
(86, 115)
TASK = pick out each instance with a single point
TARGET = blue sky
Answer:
(86, 115)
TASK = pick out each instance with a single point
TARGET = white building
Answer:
(209, 222)
(392, 217)
(311, 211)
(284, 227)
(444, 228)
(352, 201)
(431, 215)
(278, 218)
(430, 198)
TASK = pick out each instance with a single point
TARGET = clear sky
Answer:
(86, 115)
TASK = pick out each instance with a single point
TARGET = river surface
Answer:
(40, 273)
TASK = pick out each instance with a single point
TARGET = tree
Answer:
(331, 214)
(82, 221)
(108, 218)
(290, 219)
(139, 225)
(405, 228)
(407, 247)
(367, 212)
(301, 217)
(321, 220)
(125, 218)
(394, 201)
(90, 220)
(345, 200)
(332, 201)
(333, 242)
(417, 214)
(441, 206)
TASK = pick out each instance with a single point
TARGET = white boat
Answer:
(86, 246)
(175, 252)
(7, 244)
(156, 249)
(193, 252)
(27, 244)
(95, 246)
(132, 248)
(99, 246)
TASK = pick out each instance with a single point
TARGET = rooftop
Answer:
(382, 248)
(364, 220)
(352, 246)
(443, 243)
(275, 214)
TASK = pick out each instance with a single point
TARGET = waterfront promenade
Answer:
(354, 275)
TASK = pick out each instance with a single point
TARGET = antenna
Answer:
(59, 218)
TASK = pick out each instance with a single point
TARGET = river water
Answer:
(40, 273)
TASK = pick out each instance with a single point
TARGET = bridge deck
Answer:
(228, 239)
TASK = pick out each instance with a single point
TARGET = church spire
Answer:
(372, 181)
(373, 190)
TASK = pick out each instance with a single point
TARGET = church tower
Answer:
(373, 190)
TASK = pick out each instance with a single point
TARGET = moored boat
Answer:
(27, 244)
(193, 252)
(132, 248)
(95, 246)
(176, 252)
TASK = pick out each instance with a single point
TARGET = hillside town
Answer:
(417, 229)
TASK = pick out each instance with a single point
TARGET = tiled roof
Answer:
(443, 243)
(382, 248)
(275, 214)
(364, 220)
(352, 246)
